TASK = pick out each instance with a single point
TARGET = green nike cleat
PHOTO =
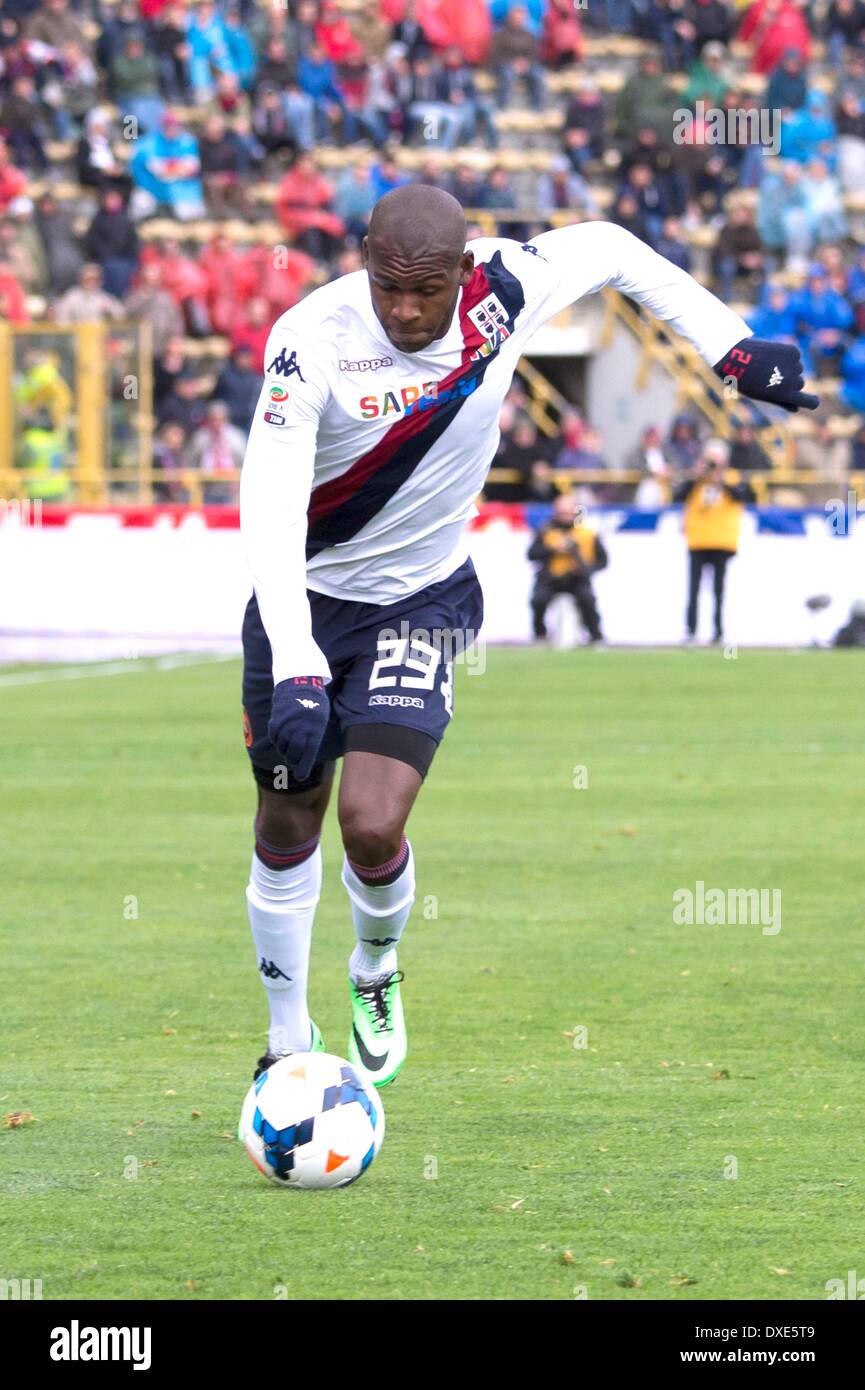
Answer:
(378, 1044)
(316, 1045)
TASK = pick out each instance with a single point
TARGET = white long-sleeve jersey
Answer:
(363, 463)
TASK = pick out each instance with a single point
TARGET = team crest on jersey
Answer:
(286, 366)
(490, 317)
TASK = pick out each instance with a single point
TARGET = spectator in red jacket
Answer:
(12, 180)
(13, 301)
(184, 280)
(303, 207)
(280, 275)
(333, 31)
(230, 282)
(561, 37)
(772, 27)
(253, 331)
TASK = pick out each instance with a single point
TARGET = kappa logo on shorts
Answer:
(400, 701)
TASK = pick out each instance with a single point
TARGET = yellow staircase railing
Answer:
(696, 384)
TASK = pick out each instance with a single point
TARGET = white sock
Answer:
(379, 913)
(281, 905)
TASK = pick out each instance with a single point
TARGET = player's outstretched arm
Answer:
(275, 485)
(587, 257)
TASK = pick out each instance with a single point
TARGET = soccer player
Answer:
(377, 422)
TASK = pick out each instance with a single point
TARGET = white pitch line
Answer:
(113, 668)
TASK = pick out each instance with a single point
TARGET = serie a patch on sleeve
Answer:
(278, 398)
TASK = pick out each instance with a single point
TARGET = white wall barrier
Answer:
(96, 586)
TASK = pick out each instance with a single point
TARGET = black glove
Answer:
(767, 371)
(298, 719)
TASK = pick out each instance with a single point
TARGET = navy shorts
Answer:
(390, 664)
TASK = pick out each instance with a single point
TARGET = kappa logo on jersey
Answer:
(286, 366)
(364, 364)
(409, 399)
(533, 250)
(490, 317)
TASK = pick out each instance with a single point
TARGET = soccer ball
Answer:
(311, 1121)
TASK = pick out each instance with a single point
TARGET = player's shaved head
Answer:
(418, 220)
(415, 257)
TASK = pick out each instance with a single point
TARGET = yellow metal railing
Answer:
(696, 384)
(70, 428)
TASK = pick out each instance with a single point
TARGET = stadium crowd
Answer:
(163, 161)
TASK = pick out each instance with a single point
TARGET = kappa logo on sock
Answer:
(380, 940)
(271, 971)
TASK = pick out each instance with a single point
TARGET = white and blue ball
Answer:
(311, 1121)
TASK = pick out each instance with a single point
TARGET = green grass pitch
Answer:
(516, 1165)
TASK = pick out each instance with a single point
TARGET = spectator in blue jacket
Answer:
(782, 212)
(354, 200)
(238, 385)
(787, 88)
(240, 48)
(457, 87)
(385, 175)
(167, 167)
(856, 280)
(117, 28)
(672, 245)
(825, 202)
(853, 374)
(774, 316)
(209, 51)
(316, 76)
(535, 11)
(823, 320)
(810, 131)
